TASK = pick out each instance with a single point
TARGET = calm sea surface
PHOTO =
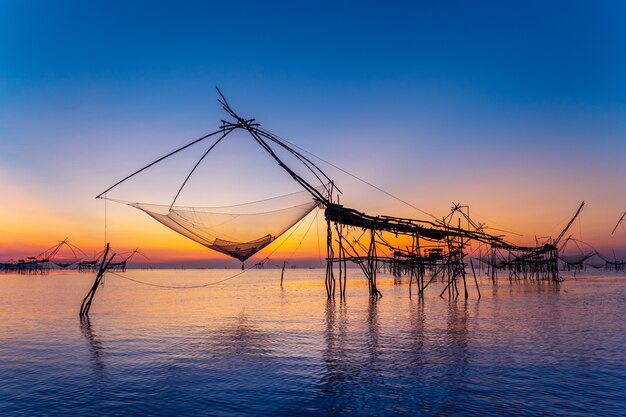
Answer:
(248, 347)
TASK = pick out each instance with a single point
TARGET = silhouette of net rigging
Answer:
(568, 256)
(576, 259)
(596, 261)
(242, 230)
(239, 231)
(63, 255)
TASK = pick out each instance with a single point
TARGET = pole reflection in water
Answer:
(338, 368)
(372, 352)
(456, 356)
(416, 338)
(96, 349)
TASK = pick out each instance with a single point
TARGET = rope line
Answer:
(249, 203)
(178, 287)
(303, 237)
(319, 247)
(354, 176)
(295, 227)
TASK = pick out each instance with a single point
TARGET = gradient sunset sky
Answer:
(515, 108)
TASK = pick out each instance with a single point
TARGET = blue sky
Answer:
(435, 101)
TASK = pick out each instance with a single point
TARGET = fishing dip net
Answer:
(239, 231)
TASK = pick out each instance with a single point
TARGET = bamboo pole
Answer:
(282, 273)
(86, 304)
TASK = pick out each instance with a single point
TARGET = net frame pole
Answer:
(221, 130)
(226, 132)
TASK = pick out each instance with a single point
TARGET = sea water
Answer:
(246, 346)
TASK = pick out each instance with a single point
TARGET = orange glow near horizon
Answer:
(33, 229)
(35, 217)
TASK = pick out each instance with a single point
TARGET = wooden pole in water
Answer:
(282, 274)
(329, 259)
(342, 252)
(464, 283)
(86, 304)
(475, 281)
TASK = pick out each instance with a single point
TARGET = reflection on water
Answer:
(337, 369)
(251, 347)
(95, 347)
(240, 339)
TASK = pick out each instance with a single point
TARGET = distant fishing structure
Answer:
(424, 250)
(62, 255)
(118, 264)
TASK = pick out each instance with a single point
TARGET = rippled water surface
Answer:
(247, 346)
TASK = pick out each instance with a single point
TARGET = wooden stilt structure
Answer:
(438, 247)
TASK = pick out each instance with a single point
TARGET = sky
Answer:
(517, 109)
